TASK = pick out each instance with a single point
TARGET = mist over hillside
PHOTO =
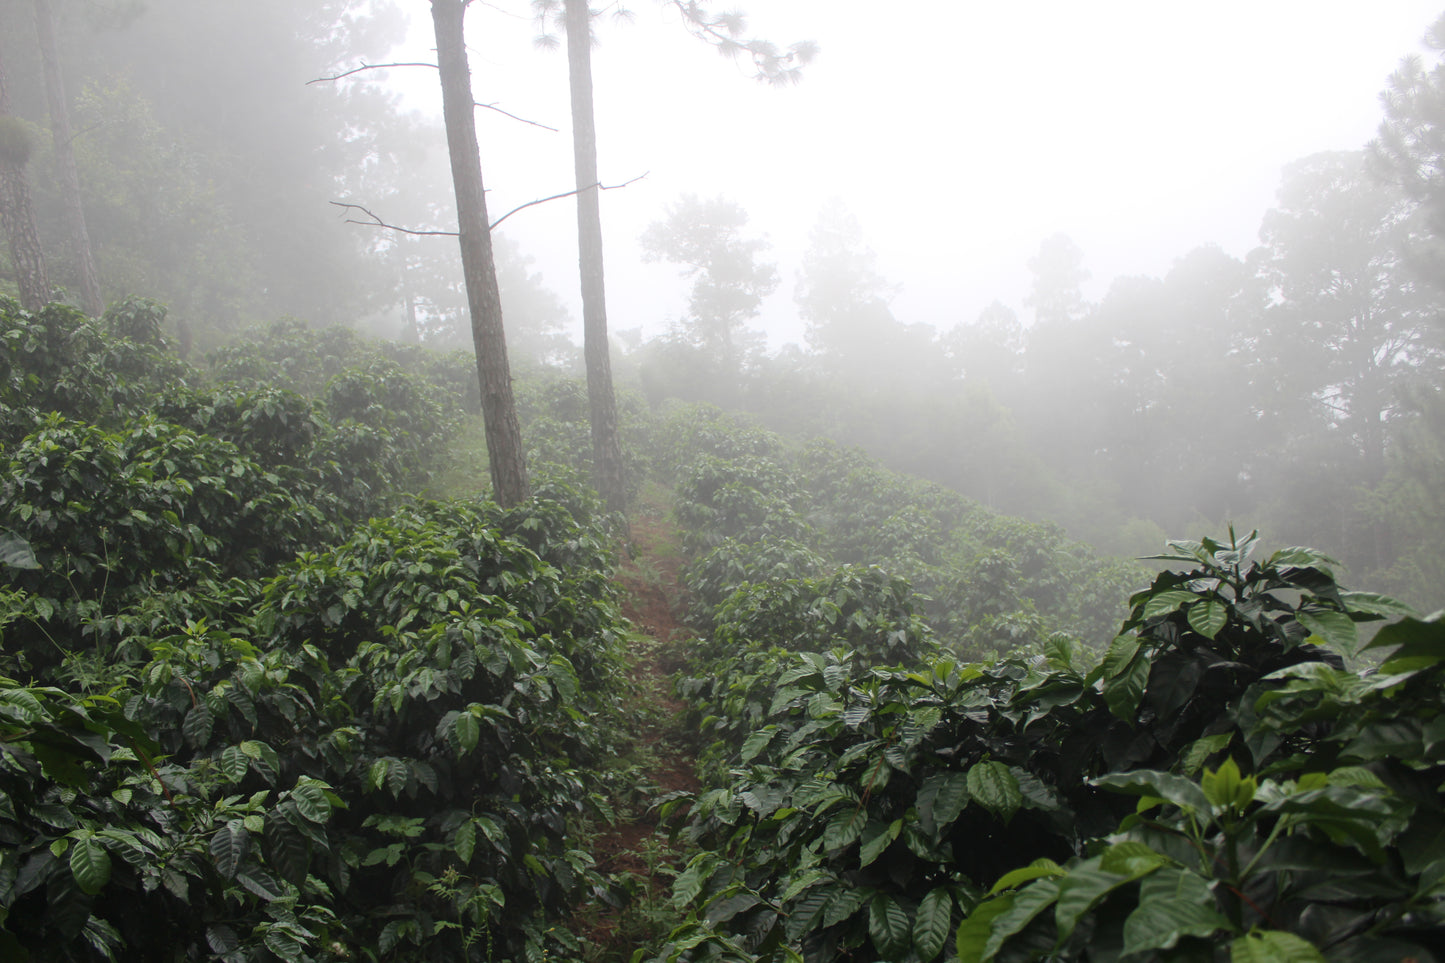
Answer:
(447, 521)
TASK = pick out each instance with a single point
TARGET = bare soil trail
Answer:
(637, 850)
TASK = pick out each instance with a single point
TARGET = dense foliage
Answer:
(751, 505)
(256, 704)
(875, 797)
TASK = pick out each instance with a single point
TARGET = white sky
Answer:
(961, 133)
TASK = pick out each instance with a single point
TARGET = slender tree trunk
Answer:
(65, 161)
(17, 214)
(505, 452)
(606, 450)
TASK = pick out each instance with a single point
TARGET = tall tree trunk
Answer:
(65, 161)
(606, 450)
(17, 214)
(505, 452)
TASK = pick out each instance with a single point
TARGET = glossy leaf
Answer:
(888, 925)
(932, 923)
(975, 933)
(1336, 628)
(1125, 690)
(1173, 903)
(229, 847)
(310, 799)
(1208, 617)
(995, 788)
(1273, 946)
(876, 838)
(1162, 785)
(89, 864)
(1162, 603)
(941, 798)
(1038, 869)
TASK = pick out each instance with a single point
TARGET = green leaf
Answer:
(976, 931)
(940, 799)
(15, 552)
(1372, 603)
(464, 840)
(263, 759)
(196, 727)
(1121, 652)
(877, 837)
(390, 936)
(286, 850)
(1201, 749)
(284, 945)
(842, 830)
(1027, 903)
(807, 880)
(1273, 946)
(1173, 903)
(222, 939)
(1226, 788)
(234, 764)
(1208, 617)
(804, 915)
(1124, 691)
(1086, 884)
(229, 847)
(1166, 786)
(888, 926)
(389, 772)
(89, 864)
(996, 788)
(1298, 557)
(757, 742)
(1131, 858)
(468, 731)
(729, 903)
(690, 882)
(1336, 628)
(1038, 869)
(310, 798)
(261, 883)
(844, 903)
(930, 926)
(1162, 603)
(1411, 639)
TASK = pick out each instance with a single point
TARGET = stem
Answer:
(1269, 841)
(1233, 905)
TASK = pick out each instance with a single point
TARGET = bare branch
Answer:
(378, 222)
(555, 197)
(513, 116)
(366, 66)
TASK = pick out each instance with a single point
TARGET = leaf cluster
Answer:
(247, 718)
(917, 810)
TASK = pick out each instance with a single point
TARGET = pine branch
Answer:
(366, 66)
(378, 222)
(513, 116)
(542, 200)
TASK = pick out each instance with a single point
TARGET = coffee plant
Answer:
(933, 808)
(260, 700)
(243, 715)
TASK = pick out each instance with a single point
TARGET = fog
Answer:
(1094, 264)
(960, 135)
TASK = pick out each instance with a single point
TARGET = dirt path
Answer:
(636, 851)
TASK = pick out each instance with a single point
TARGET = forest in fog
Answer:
(1295, 390)
(348, 612)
